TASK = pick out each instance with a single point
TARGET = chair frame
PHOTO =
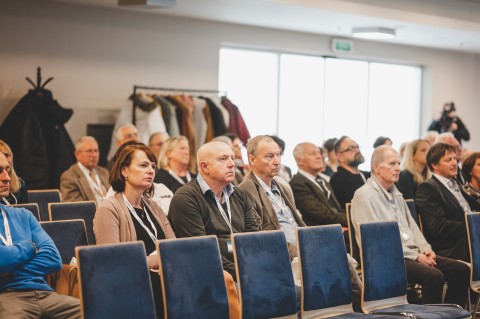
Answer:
(326, 312)
(24, 205)
(474, 284)
(162, 275)
(65, 204)
(232, 237)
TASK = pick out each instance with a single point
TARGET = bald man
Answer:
(210, 205)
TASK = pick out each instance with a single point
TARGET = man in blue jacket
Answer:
(27, 255)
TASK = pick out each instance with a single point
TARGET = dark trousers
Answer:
(432, 279)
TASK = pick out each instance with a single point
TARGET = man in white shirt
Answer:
(85, 180)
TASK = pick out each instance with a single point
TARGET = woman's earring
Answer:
(126, 178)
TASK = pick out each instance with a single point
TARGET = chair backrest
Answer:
(354, 249)
(75, 210)
(264, 275)
(383, 266)
(42, 197)
(413, 210)
(192, 278)
(115, 282)
(473, 232)
(66, 235)
(33, 207)
(326, 285)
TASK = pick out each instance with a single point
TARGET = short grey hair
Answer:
(252, 145)
(81, 140)
(444, 137)
(118, 132)
(378, 155)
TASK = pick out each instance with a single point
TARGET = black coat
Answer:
(34, 130)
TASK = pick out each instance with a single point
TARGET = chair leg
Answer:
(476, 307)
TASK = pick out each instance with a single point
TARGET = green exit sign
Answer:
(342, 46)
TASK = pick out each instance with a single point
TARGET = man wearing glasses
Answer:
(348, 177)
(85, 180)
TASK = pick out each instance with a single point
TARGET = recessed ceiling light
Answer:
(374, 33)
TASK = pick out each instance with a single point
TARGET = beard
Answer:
(358, 159)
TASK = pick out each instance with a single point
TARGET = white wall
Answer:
(97, 55)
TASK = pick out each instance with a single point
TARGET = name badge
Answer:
(229, 246)
(405, 236)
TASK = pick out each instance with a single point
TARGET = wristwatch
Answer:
(34, 246)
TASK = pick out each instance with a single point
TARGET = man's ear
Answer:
(374, 167)
(204, 167)
(251, 160)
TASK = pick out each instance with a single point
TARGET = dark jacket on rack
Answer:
(35, 131)
(218, 123)
(237, 124)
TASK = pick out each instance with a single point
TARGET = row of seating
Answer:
(114, 279)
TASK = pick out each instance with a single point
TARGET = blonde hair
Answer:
(15, 183)
(168, 146)
(409, 165)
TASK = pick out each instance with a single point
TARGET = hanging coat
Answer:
(34, 130)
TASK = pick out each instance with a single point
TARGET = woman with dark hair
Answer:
(414, 168)
(131, 215)
(18, 190)
(471, 171)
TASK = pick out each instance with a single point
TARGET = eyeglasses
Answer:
(90, 151)
(351, 149)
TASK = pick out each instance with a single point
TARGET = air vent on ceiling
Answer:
(148, 3)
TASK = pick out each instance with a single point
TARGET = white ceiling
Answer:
(444, 24)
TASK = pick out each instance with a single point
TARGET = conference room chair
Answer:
(115, 282)
(33, 207)
(473, 232)
(384, 287)
(354, 249)
(42, 197)
(75, 210)
(66, 235)
(413, 211)
(264, 275)
(326, 284)
(192, 279)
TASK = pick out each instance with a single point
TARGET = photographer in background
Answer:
(450, 122)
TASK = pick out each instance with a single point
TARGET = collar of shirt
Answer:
(309, 176)
(85, 170)
(229, 189)
(443, 180)
(389, 194)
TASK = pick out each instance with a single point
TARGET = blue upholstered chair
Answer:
(66, 234)
(473, 231)
(384, 287)
(264, 275)
(326, 285)
(413, 211)
(33, 207)
(114, 281)
(192, 278)
(42, 197)
(75, 210)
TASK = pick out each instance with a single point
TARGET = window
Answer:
(310, 98)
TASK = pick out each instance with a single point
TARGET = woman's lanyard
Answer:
(227, 219)
(8, 241)
(139, 220)
(181, 181)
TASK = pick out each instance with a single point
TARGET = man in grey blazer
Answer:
(85, 180)
(272, 201)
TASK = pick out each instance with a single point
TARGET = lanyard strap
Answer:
(181, 181)
(6, 201)
(362, 176)
(97, 187)
(227, 219)
(134, 213)
(281, 204)
(7, 241)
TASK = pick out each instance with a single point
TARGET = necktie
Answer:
(458, 195)
(97, 186)
(323, 187)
